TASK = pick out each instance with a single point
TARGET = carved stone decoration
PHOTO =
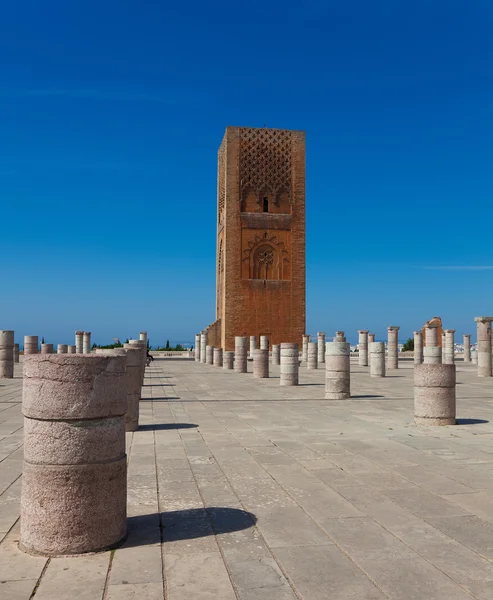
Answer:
(265, 258)
(221, 183)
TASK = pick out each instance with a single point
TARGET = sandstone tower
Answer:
(260, 266)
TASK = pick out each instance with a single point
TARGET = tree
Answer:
(42, 340)
(167, 345)
(409, 345)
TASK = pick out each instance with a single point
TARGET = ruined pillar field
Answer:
(484, 346)
(228, 360)
(197, 347)
(448, 354)
(79, 342)
(73, 497)
(217, 358)
(393, 347)
(276, 354)
(261, 363)
(321, 347)
(6, 354)
(241, 354)
(86, 342)
(377, 361)
(418, 347)
(337, 370)
(31, 345)
(434, 394)
(467, 347)
(312, 356)
(290, 360)
(203, 346)
(363, 347)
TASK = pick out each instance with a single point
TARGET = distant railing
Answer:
(171, 353)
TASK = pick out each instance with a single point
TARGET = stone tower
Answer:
(260, 266)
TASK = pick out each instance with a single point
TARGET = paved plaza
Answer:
(240, 488)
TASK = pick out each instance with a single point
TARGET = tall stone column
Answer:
(363, 347)
(261, 363)
(228, 360)
(197, 347)
(321, 347)
(71, 349)
(393, 347)
(467, 347)
(253, 344)
(312, 361)
(241, 356)
(377, 361)
(434, 394)
(218, 357)
(432, 353)
(449, 349)
(31, 344)
(371, 339)
(484, 346)
(337, 370)
(6, 354)
(431, 336)
(276, 354)
(79, 342)
(209, 355)
(340, 337)
(16, 353)
(203, 346)
(86, 342)
(290, 362)
(304, 351)
(62, 349)
(264, 342)
(74, 474)
(418, 347)
(47, 349)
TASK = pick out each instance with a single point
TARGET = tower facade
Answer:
(260, 266)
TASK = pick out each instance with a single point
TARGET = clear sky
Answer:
(111, 116)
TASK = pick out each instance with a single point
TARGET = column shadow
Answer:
(166, 426)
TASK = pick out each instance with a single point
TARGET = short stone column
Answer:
(16, 353)
(74, 474)
(241, 354)
(228, 360)
(62, 349)
(276, 354)
(218, 357)
(31, 345)
(371, 339)
(337, 370)
(197, 347)
(393, 347)
(143, 337)
(86, 342)
(363, 347)
(133, 377)
(6, 354)
(203, 346)
(448, 350)
(304, 349)
(484, 346)
(139, 344)
(71, 349)
(47, 349)
(474, 357)
(79, 342)
(290, 362)
(340, 337)
(467, 347)
(321, 347)
(264, 342)
(418, 347)
(377, 361)
(209, 355)
(253, 344)
(312, 360)
(261, 363)
(434, 394)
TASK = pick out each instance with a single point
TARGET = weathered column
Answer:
(79, 342)
(290, 361)
(371, 339)
(74, 473)
(434, 394)
(312, 356)
(253, 344)
(16, 353)
(377, 361)
(393, 347)
(474, 357)
(467, 347)
(448, 353)
(340, 337)
(432, 353)
(62, 349)
(484, 346)
(264, 342)
(133, 378)
(261, 363)
(218, 357)
(321, 347)
(304, 349)
(418, 347)
(431, 336)
(31, 344)
(203, 346)
(228, 359)
(143, 337)
(71, 349)
(47, 349)
(241, 349)
(276, 354)
(6, 354)
(139, 344)
(337, 369)
(197, 347)
(363, 347)
(209, 355)
(86, 342)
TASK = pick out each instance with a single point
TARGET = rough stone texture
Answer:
(47, 349)
(62, 349)
(448, 356)
(253, 344)
(418, 347)
(133, 378)
(203, 346)
(312, 356)
(431, 336)
(79, 342)
(218, 357)
(261, 363)
(290, 361)
(337, 370)
(276, 354)
(371, 339)
(321, 346)
(474, 357)
(264, 342)
(434, 394)
(393, 347)
(377, 361)
(197, 347)
(241, 357)
(363, 347)
(71, 349)
(340, 337)
(209, 355)
(16, 353)
(74, 473)
(432, 355)
(31, 344)
(484, 346)
(467, 347)
(228, 360)
(86, 342)
(6, 354)
(304, 348)
(141, 345)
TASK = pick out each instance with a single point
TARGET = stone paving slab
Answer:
(241, 489)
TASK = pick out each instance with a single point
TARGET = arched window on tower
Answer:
(266, 204)
(265, 263)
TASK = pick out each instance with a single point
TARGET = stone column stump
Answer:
(228, 360)
(86, 342)
(209, 355)
(432, 355)
(448, 350)
(218, 357)
(253, 344)
(340, 337)
(337, 370)
(290, 362)
(371, 339)
(276, 354)
(47, 349)
(79, 342)
(264, 343)
(484, 346)
(312, 356)
(197, 347)
(377, 361)
(16, 353)
(393, 347)
(418, 347)
(321, 347)
(6, 354)
(203, 346)
(363, 347)
(304, 349)
(434, 394)
(467, 347)
(261, 363)
(62, 349)
(71, 349)
(241, 357)
(30, 344)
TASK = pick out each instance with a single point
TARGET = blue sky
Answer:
(112, 113)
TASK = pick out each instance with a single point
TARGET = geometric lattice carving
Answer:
(265, 160)
(221, 182)
(265, 258)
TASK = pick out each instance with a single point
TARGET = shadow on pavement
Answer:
(161, 426)
(470, 421)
